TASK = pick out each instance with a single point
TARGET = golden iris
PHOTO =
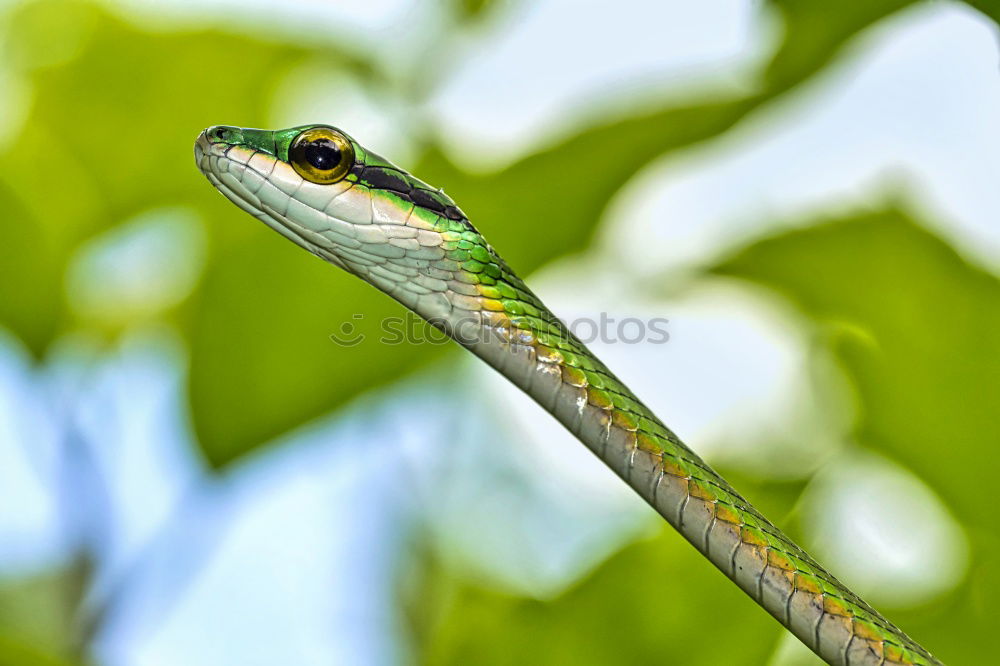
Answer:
(321, 155)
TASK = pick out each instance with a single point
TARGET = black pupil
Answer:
(322, 154)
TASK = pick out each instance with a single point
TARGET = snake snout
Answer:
(223, 134)
(201, 146)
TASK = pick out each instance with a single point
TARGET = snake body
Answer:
(412, 242)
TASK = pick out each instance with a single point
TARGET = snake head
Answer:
(318, 187)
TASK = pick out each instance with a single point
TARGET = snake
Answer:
(321, 189)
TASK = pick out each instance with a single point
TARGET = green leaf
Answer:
(261, 350)
(36, 617)
(816, 31)
(474, 10)
(30, 291)
(656, 601)
(14, 652)
(916, 329)
(990, 8)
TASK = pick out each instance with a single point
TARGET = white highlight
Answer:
(675, 44)
(897, 115)
(138, 269)
(884, 531)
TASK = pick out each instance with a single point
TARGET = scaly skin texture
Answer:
(412, 242)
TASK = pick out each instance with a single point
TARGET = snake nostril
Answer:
(217, 133)
(224, 134)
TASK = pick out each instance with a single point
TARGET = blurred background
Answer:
(191, 472)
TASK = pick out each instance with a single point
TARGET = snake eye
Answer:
(321, 155)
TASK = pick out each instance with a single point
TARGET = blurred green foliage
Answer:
(36, 613)
(629, 611)
(989, 7)
(262, 316)
(913, 326)
(113, 113)
(910, 322)
(655, 601)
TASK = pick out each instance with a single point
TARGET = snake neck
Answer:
(491, 312)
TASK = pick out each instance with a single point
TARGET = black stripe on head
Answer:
(385, 179)
(382, 178)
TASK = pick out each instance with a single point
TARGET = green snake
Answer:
(323, 191)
